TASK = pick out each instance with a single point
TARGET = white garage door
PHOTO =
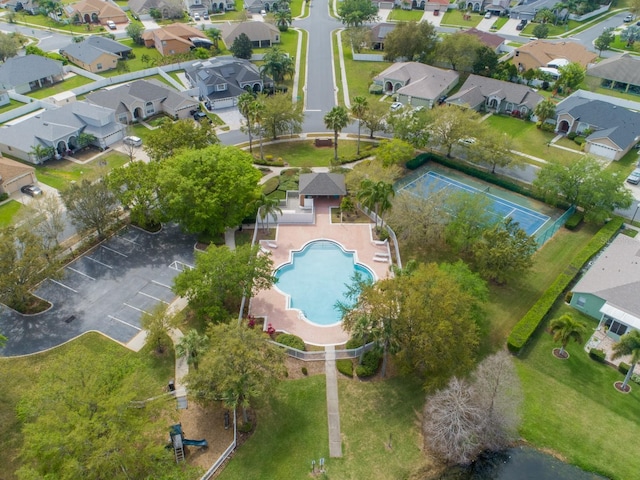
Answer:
(602, 151)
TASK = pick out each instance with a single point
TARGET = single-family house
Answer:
(168, 8)
(173, 39)
(202, 6)
(95, 53)
(142, 99)
(432, 6)
(321, 185)
(417, 84)
(222, 80)
(546, 53)
(96, 11)
(491, 40)
(30, 6)
(257, 6)
(496, 7)
(488, 94)
(24, 74)
(378, 33)
(4, 98)
(14, 175)
(608, 291)
(611, 130)
(60, 128)
(620, 72)
(261, 34)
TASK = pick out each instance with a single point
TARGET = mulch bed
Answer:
(560, 355)
(618, 386)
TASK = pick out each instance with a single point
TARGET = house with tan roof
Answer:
(96, 11)
(491, 40)
(15, 175)
(608, 291)
(261, 34)
(621, 72)
(172, 39)
(417, 84)
(96, 53)
(544, 53)
(488, 94)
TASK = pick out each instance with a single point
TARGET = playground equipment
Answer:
(178, 442)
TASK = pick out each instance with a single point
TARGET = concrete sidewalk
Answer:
(333, 410)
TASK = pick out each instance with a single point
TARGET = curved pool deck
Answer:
(272, 304)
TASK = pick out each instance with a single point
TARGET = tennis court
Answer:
(530, 220)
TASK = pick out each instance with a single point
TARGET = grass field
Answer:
(554, 30)
(20, 373)
(292, 431)
(135, 64)
(400, 15)
(305, 154)
(499, 23)
(68, 84)
(8, 211)
(572, 408)
(456, 17)
(58, 173)
(47, 22)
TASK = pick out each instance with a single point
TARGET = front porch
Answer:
(601, 341)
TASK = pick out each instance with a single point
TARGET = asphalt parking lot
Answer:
(106, 290)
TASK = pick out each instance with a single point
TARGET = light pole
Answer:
(634, 213)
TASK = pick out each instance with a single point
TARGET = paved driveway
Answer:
(105, 290)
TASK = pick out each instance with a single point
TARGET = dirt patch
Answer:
(206, 423)
(294, 368)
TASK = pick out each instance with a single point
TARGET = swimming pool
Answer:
(315, 280)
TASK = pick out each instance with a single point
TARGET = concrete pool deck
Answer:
(272, 304)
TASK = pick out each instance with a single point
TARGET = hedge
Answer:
(598, 355)
(345, 366)
(370, 364)
(419, 161)
(271, 185)
(574, 220)
(623, 368)
(291, 341)
(522, 331)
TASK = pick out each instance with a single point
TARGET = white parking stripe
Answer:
(155, 298)
(161, 284)
(81, 273)
(122, 321)
(114, 251)
(63, 285)
(130, 241)
(98, 261)
(136, 308)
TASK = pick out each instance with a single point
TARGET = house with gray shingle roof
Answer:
(60, 128)
(378, 34)
(319, 185)
(488, 94)
(24, 74)
(221, 80)
(612, 130)
(621, 72)
(608, 291)
(96, 54)
(142, 99)
(256, 6)
(261, 34)
(417, 84)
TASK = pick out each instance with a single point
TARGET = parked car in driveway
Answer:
(634, 177)
(199, 116)
(133, 141)
(31, 190)
(196, 17)
(395, 106)
(487, 15)
(111, 24)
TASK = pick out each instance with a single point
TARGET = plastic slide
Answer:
(195, 443)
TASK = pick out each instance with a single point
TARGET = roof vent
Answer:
(46, 124)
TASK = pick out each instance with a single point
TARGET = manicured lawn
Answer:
(8, 211)
(135, 64)
(58, 173)
(232, 15)
(565, 142)
(48, 22)
(509, 303)
(292, 431)
(529, 139)
(626, 164)
(11, 105)
(68, 84)
(305, 154)
(622, 45)
(303, 66)
(554, 30)
(20, 373)
(455, 17)
(572, 408)
(400, 15)
(359, 74)
(499, 23)
(288, 43)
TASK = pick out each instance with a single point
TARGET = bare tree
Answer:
(45, 216)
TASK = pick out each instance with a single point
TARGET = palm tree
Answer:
(257, 112)
(268, 207)
(192, 345)
(359, 108)
(215, 35)
(629, 344)
(385, 193)
(277, 65)
(376, 196)
(544, 110)
(336, 120)
(42, 153)
(283, 19)
(565, 329)
(245, 102)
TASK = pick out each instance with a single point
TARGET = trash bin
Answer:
(172, 386)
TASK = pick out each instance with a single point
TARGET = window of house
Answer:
(123, 118)
(148, 108)
(618, 328)
(99, 66)
(164, 42)
(221, 87)
(581, 302)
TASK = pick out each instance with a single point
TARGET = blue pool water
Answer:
(316, 279)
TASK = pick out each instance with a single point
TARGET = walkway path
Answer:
(333, 410)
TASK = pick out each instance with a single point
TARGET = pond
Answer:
(521, 463)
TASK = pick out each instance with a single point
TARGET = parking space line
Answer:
(122, 321)
(136, 308)
(161, 284)
(155, 298)
(130, 241)
(63, 285)
(81, 273)
(114, 251)
(98, 261)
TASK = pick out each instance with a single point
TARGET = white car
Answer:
(133, 141)
(467, 141)
(396, 106)
(487, 15)
(196, 17)
(263, 13)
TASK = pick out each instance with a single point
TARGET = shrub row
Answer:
(528, 324)
(370, 364)
(598, 355)
(345, 366)
(574, 220)
(291, 341)
(269, 163)
(3, 196)
(270, 185)
(623, 368)
(418, 161)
